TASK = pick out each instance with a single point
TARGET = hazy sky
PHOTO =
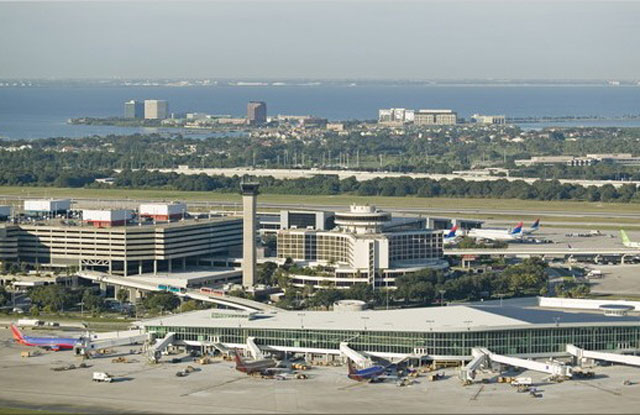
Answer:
(321, 39)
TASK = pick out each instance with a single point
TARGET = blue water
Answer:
(43, 112)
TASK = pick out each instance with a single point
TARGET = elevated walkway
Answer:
(225, 300)
(112, 339)
(358, 358)
(581, 354)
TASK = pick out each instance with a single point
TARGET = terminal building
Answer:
(362, 245)
(434, 333)
(121, 242)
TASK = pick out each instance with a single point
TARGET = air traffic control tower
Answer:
(249, 193)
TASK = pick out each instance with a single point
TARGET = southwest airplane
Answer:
(263, 366)
(450, 237)
(534, 228)
(50, 343)
(514, 234)
(369, 374)
(627, 242)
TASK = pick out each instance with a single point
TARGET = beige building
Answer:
(366, 246)
(435, 117)
(121, 250)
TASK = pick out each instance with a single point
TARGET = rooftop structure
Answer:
(47, 206)
(106, 217)
(163, 211)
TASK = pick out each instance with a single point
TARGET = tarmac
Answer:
(218, 388)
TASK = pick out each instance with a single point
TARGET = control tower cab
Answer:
(362, 219)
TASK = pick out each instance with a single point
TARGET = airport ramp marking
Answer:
(595, 386)
(214, 386)
(475, 396)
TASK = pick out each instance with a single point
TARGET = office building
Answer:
(256, 112)
(395, 116)
(155, 109)
(488, 119)
(435, 117)
(366, 245)
(134, 109)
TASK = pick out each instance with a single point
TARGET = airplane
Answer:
(450, 237)
(373, 373)
(627, 242)
(262, 366)
(534, 228)
(514, 234)
(50, 343)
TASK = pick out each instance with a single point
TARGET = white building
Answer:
(395, 116)
(366, 246)
(435, 117)
(156, 109)
(488, 119)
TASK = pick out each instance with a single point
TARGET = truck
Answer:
(29, 322)
(102, 377)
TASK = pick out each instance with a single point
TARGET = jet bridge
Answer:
(112, 339)
(253, 349)
(359, 359)
(581, 354)
(154, 352)
(483, 356)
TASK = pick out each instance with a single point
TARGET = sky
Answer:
(317, 39)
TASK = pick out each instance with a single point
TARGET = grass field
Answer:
(13, 192)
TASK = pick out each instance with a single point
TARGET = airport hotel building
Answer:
(159, 238)
(364, 244)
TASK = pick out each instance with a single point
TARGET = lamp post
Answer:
(442, 297)
(301, 315)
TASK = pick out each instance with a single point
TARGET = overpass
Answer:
(225, 300)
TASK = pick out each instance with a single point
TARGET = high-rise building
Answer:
(134, 109)
(393, 116)
(256, 112)
(249, 193)
(156, 109)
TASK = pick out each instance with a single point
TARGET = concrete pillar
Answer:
(170, 265)
(125, 267)
(184, 264)
(133, 295)
(249, 193)
(155, 267)
(140, 267)
(110, 267)
(103, 288)
(116, 289)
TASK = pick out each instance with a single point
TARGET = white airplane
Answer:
(627, 242)
(515, 234)
(534, 228)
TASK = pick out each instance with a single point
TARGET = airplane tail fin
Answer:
(517, 229)
(239, 362)
(350, 365)
(452, 232)
(625, 237)
(16, 334)
(536, 224)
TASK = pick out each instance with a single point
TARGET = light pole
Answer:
(442, 297)
(364, 321)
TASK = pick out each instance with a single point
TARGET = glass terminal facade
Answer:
(536, 340)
